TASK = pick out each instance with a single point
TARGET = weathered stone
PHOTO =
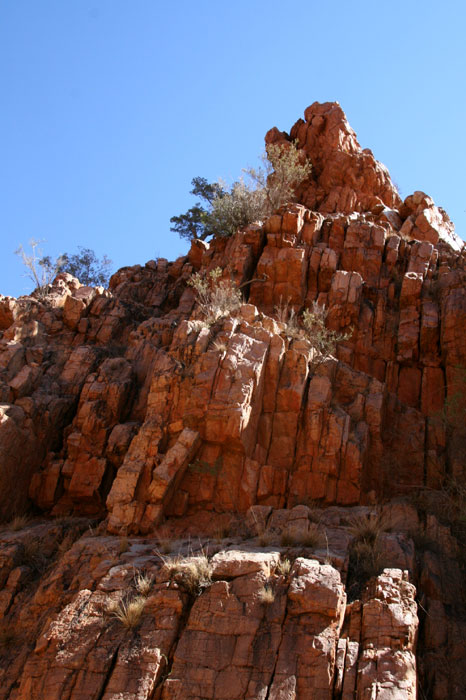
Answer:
(124, 405)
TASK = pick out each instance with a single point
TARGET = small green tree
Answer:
(87, 267)
(236, 209)
(195, 223)
(42, 269)
(252, 198)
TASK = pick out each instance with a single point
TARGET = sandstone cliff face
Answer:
(118, 405)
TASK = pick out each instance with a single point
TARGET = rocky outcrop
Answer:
(122, 406)
(228, 640)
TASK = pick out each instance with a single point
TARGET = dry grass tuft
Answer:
(368, 528)
(129, 611)
(288, 538)
(222, 533)
(110, 607)
(19, 522)
(220, 346)
(197, 325)
(30, 553)
(165, 545)
(313, 538)
(283, 567)
(287, 316)
(366, 561)
(192, 574)
(366, 556)
(216, 298)
(267, 594)
(143, 583)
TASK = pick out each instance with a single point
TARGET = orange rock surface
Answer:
(119, 407)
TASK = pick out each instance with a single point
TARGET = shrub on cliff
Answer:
(322, 340)
(215, 298)
(42, 269)
(87, 267)
(252, 198)
(195, 223)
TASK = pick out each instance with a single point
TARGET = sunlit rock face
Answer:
(129, 427)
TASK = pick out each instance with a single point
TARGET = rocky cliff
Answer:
(288, 529)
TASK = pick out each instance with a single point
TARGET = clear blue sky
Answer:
(111, 107)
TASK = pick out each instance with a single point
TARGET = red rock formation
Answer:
(121, 406)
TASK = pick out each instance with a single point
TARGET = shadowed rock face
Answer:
(119, 406)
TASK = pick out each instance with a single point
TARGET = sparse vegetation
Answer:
(143, 583)
(19, 522)
(220, 346)
(196, 223)
(42, 269)
(165, 544)
(266, 594)
(284, 167)
(221, 533)
(366, 554)
(199, 466)
(321, 339)
(215, 298)
(192, 574)
(313, 538)
(128, 610)
(288, 538)
(283, 567)
(110, 607)
(287, 316)
(366, 560)
(31, 553)
(86, 266)
(368, 528)
(252, 198)
(265, 538)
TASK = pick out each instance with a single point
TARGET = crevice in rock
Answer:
(108, 675)
(277, 652)
(182, 623)
(280, 372)
(299, 429)
(251, 271)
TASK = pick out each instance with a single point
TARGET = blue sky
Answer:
(111, 107)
